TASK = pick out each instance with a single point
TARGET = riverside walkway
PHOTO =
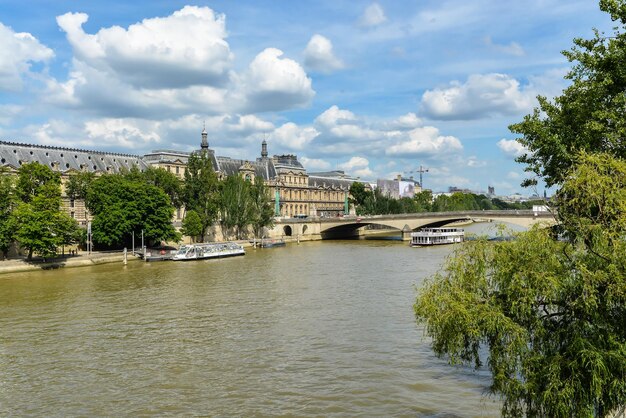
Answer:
(81, 259)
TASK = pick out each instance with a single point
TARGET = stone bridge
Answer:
(352, 226)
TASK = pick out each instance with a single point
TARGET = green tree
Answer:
(550, 312)
(200, 189)
(192, 225)
(78, 184)
(40, 226)
(358, 194)
(262, 208)
(33, 178)
(7, 203)
(423, 201)
(483, 202)
(236, 210)
(122, 205)
(167, 181)
(589, 115)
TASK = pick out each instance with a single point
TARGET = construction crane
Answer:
(421, 171)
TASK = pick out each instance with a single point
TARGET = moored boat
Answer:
(270, 243)
(437, 236)
(208, 250)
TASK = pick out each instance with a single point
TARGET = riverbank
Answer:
(83, 259)
(78, 260)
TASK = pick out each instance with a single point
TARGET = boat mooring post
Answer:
(143, 248)
(125, 256)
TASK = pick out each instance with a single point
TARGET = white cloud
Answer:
(340, 125)
(364, 173)
(184, 49)
(120, 132)
(130, 134)
(357, 166)
(512, 48)
(512, 148)
(474, 162)
(84, 91)
(247, 124)
(425, 141)
(273, 83)
(373, 15)
(293, 137)
(408, 121)
(513, 175)
(354, 162)
(243, 132)
(9, 112)
(334, 116)
(313, 164)
(479, 96)
(319, 55)
(17, 53)
(171, 66)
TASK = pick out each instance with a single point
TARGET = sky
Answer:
(375, 89)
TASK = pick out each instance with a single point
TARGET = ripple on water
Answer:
(317, 329)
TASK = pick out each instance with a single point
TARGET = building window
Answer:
(73, 215)
(177, 170)
(72, 203)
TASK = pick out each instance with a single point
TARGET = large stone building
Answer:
(295, 193)
(67, 161)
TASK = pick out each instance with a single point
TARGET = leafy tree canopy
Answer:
(236, 210)
(7, 203)
(123, 205)
(39, 225)
(192, 225)
(78, 184)
(589, 115)
(262, 208)
(358, 194)
(33, 178)
(550, 312)
(200, 190)
(167, 181)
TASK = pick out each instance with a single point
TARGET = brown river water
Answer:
(317, 329)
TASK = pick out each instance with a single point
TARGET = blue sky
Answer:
(374, 88)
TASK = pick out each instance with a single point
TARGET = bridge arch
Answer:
(350, 226)
(353, 229)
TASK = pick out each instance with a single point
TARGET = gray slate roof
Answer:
(15, 154)
(262, 168)
(330, 183)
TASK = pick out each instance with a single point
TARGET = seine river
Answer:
(316, 329)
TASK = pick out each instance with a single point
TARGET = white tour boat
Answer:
(211, 250)
(436, 236)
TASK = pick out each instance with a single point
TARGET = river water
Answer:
(316, 329)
